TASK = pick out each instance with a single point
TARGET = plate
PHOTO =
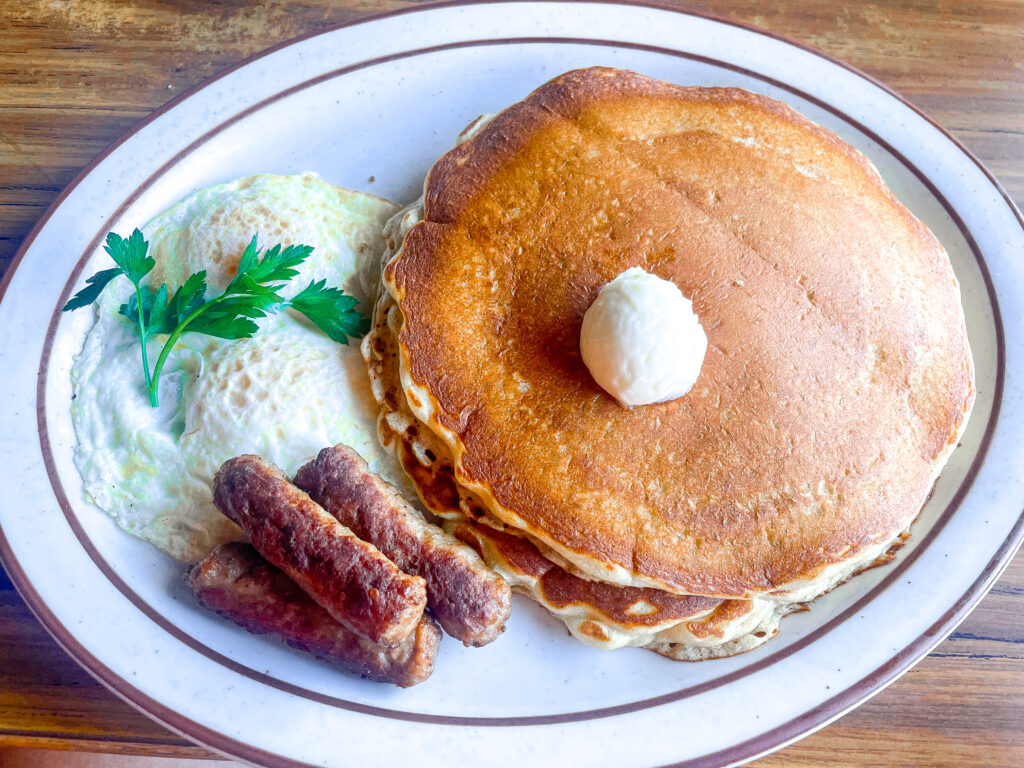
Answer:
(370, 106)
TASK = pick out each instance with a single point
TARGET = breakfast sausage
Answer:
(469, 600)
(234, 581)
(348, 577)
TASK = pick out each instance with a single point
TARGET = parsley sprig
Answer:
(252, 294)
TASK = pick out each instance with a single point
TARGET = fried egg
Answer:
(284, 394)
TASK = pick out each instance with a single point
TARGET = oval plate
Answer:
(370, 106)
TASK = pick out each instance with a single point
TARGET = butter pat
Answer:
(641, 339)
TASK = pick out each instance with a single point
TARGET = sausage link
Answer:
(234, 581)
(348, 577)
(469, 600)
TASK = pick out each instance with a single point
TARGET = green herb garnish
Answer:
(252, 294)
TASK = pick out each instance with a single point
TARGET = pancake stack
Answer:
(837, 381)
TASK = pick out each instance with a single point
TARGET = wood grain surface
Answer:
(74, 76)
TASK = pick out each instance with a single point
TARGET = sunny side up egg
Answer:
(284, 394)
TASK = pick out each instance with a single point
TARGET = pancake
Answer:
(838, 375)
(607, 616)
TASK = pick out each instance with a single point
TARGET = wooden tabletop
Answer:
(76, 75)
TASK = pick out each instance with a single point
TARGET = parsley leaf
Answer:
(93, 288)
(331, 310)
(279, 266)
(252, 294)
(130, 255)
(154, 309)
(226, 326)
(189, 297)
(276, 266)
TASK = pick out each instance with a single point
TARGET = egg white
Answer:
(283, 394)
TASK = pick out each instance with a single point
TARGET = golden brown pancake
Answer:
(608, 616)
(838, 374)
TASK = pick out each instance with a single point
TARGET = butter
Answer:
(641, 339)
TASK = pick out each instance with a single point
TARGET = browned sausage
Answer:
(237, 583)
(470, 601)
(348, 577)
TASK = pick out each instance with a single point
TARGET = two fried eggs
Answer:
(284, 394)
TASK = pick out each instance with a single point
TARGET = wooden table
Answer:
(76, 75)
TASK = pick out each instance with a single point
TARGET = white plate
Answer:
(371, 106)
